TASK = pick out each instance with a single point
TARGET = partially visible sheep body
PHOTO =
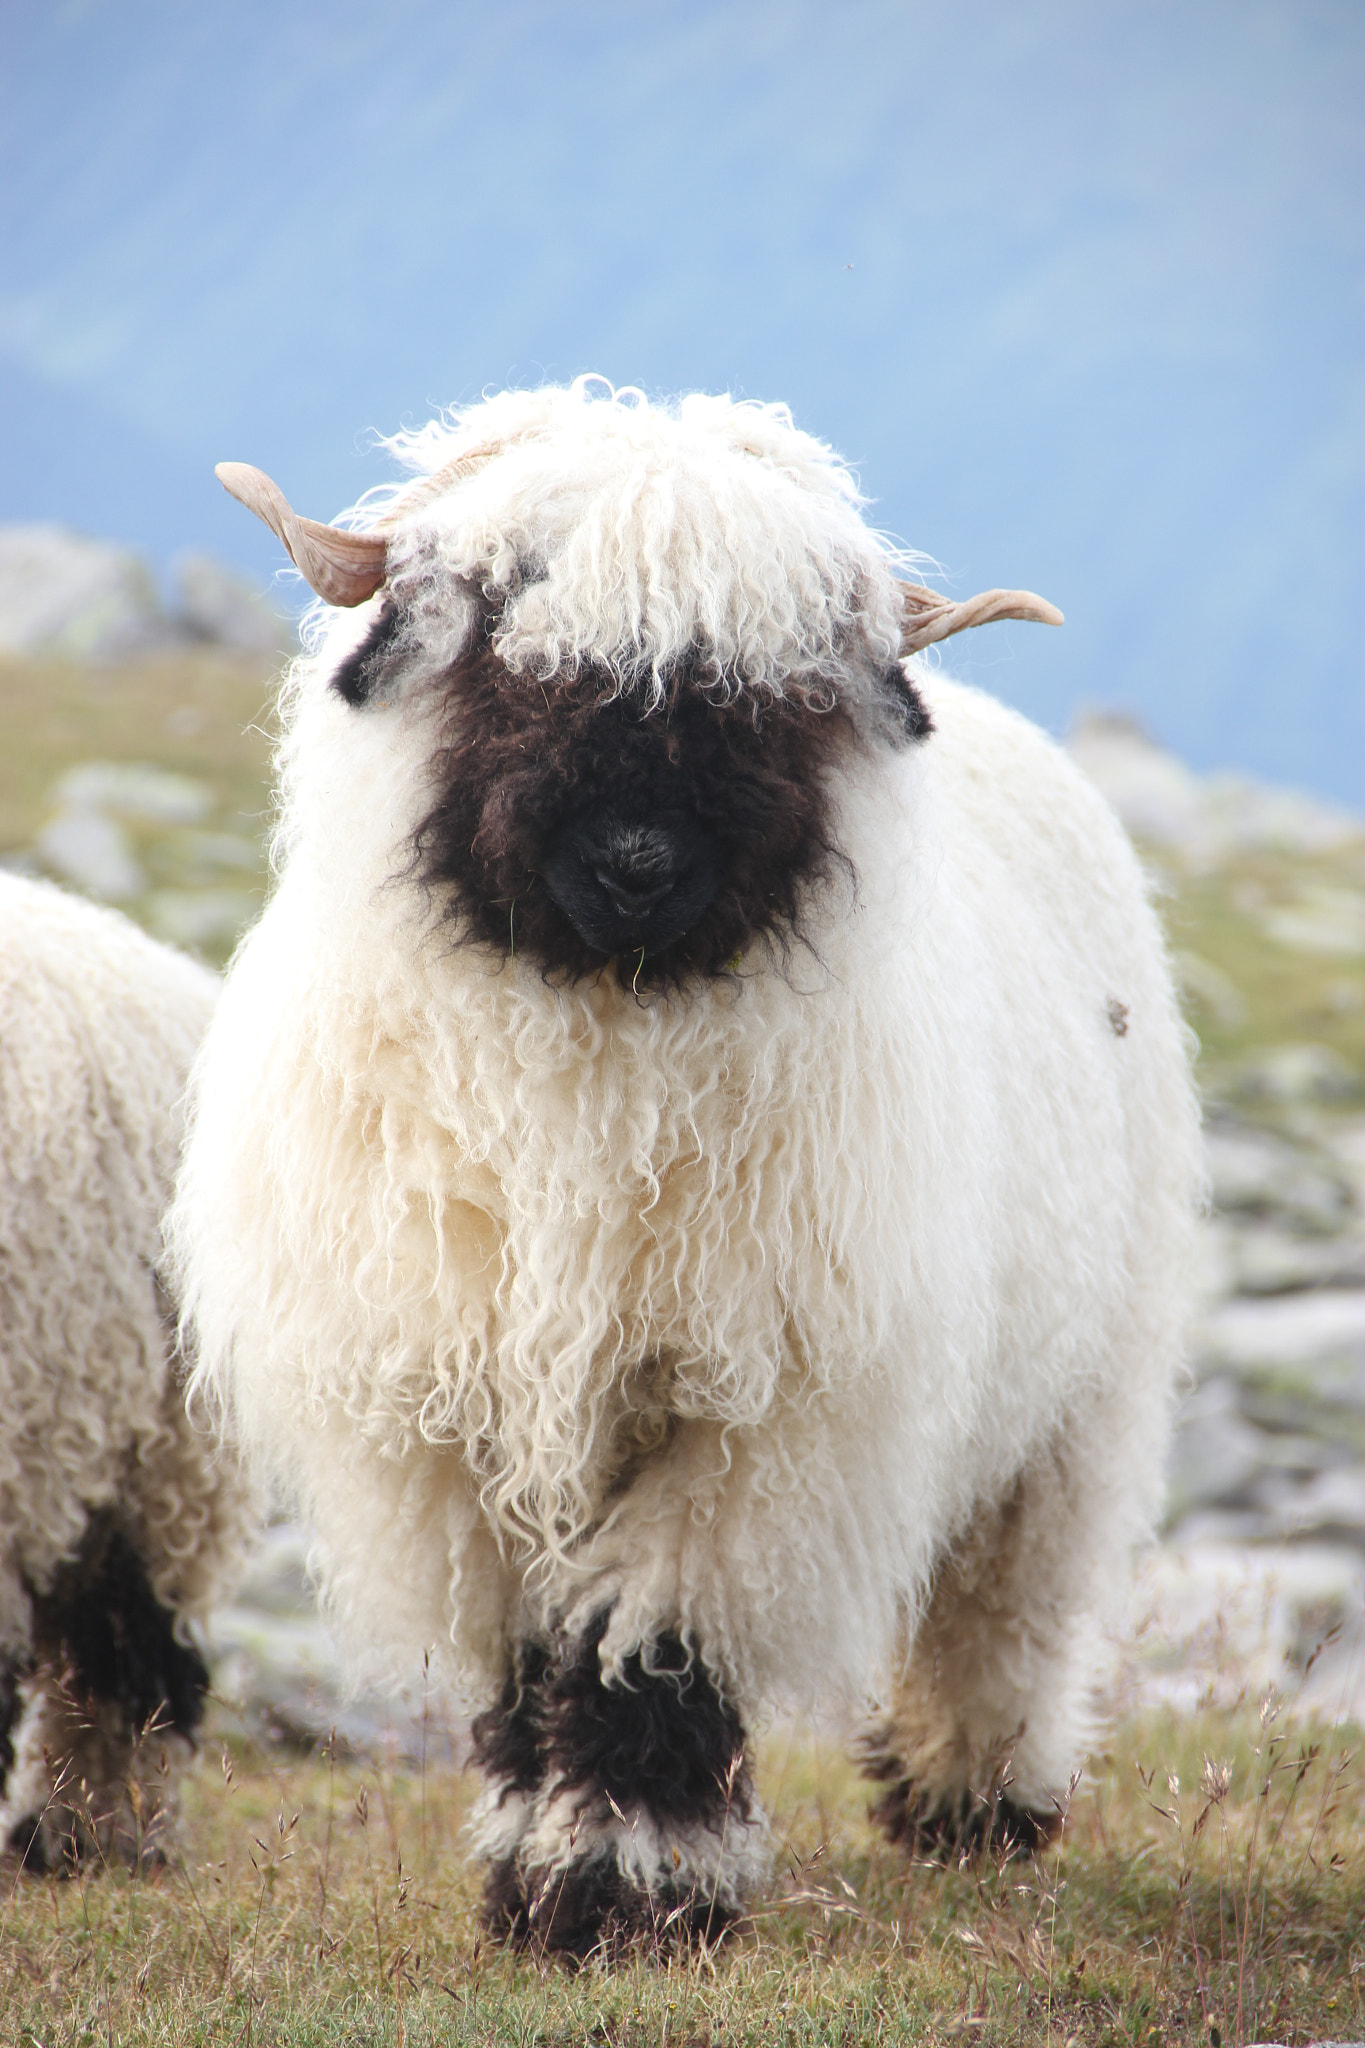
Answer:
(116, 1524)
(663, 1301)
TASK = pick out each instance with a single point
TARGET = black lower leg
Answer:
(660, 1742)
(12, 1672)
(101, 1621)
(972, 1824)
(113, 1666)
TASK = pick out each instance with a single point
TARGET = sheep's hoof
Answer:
(592, 1909)
(61, 1843)
(55, 1843)
(27, 1842)
(960, 1829)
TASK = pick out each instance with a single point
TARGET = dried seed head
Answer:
(1217, 1781)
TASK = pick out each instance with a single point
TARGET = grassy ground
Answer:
(1263, 942)
(1210, 1888)
(204, 714)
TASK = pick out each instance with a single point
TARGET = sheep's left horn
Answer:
(345, 568)
(930, 616)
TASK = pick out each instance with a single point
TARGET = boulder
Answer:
(216, 606)
(1164, 803)
(61, 593)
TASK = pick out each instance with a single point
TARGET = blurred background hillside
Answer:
(1078, 289)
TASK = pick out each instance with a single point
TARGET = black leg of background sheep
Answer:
(11, 1706)
(608, 1805)
(111, 1695)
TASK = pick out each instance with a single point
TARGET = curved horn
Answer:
(930, 616)
(453, 472)
(344, 568)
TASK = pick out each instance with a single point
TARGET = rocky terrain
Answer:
(146, 786)
(62, 593)
(1260, 1578)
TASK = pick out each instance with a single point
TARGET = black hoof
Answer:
(963, 1829)
(592, 1908)
(43, 1849)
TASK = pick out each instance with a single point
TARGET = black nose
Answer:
(631, 884)
(637, 867)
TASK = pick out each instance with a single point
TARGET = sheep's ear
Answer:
(345, 568)
(930, 616)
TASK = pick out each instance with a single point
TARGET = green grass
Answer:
(205, 714)
(335, 1903)
(1246, 988)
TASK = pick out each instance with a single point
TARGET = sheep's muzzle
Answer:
(574, 825)
(632, 885)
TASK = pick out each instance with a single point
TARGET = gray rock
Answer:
(61, 593)
(1260, 1173)
(1216, 1455)
(1262, 1259)
(1327, 1325)
(1343, 1140)
(210, 850)
(1330, 1506)
(1158, 798)
(133, 789)
(216, 606)
(1225, 1621)
(273, 1660)
(1165, 804)
(1243, 813)
(1292, 1074)
(92, 853)
(85, 842)
(199, 917)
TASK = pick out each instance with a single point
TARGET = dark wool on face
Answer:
(575, 825)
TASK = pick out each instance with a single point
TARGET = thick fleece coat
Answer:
(624, 1317)
(117, 1525)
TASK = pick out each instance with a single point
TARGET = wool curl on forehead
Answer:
(630, 537)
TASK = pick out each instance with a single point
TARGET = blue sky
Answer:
(1079, 287)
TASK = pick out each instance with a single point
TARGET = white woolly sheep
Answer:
(691, 1175)
(116, 1525)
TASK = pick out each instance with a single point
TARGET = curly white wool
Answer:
(631, 534)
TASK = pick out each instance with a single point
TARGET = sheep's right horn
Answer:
(930, 616)
(345, 568)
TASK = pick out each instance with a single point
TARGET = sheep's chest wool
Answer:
(691, 1175)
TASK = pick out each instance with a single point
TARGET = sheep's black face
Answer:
(577, 827)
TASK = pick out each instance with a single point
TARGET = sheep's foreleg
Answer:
(995, 1705)
(615, 1812)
